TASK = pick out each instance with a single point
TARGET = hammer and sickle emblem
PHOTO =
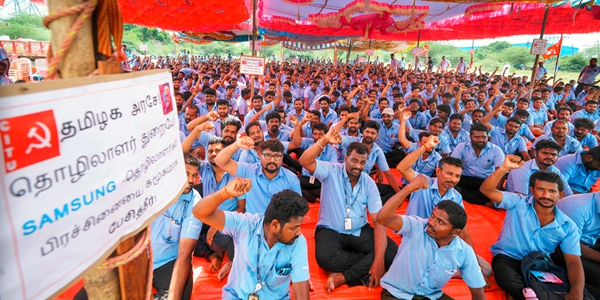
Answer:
(44, 142)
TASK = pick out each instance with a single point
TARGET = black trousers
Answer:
(578, 89)
(161, 279)
(350, 255)
(386, 191)
(468, 187)
(221, 242)
(394, 157)
(310, 191)
(292, 164)
(507, 272)
(385, 295)
(590, 268)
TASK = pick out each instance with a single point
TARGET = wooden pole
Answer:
(129, 280)
(537, 56)
(254, 30)
(79, 60)
(557, 59)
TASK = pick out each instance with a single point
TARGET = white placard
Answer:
(295, 61)
(417, 51)
(258, 46)
(539, 46)
(252, 65)
(362, 59)
(85, 162)
(143, 47)
(370, 52)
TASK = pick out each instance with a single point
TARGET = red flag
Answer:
(553, 50)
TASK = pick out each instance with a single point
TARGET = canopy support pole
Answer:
(557, 59)
(128, 281)
(368, 56)
(537, 56)
(418, 44)
(254, 33)
(350, 42)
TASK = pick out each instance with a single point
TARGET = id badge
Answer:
(348, 223)
(253, 296)
(174, 231)
(311, 180)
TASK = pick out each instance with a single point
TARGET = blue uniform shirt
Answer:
(462, 136)
(247, 233)
(388, 137)
(518, 179)
(175, 223)
(572, 145)
(589, 140)
(210, 185)
(482, 166)
(376, 155)
(339, 195)
(264, 188)
(427, 166)
(423, 201)
(584, 210)
(579, 177)
(522, 234)
(499, 138)
(422, 268)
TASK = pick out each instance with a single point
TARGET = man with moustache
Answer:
(370, 135)
(532, 223)
(480, 158)
(275, 252)
(582, 131)
(387, 134)
(174, 235)
(560, 135)
(212, 244)
(422, 201)
(210, 98)
(454, 132)
(200, 132)
(345, 244)
(547, 154)
(225, 117)
(431, 250)
(268, 177)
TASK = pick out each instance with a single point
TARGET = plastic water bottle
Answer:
(529, 294)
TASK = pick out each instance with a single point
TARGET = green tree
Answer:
(25, 26)
(515, 56)
(573, 63)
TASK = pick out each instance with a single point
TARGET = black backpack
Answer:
(538, 261)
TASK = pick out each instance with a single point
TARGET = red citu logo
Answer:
(28, 139)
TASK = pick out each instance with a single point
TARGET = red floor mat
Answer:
(484, 224)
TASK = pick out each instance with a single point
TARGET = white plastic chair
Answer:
(41, 64)
(13, 73)
(24, 68)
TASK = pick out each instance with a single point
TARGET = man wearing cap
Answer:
(541, 71)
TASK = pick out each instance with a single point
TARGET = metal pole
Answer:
(557, 59)
(537, 56)
(418, 44)
(254, 33)
(368, 56)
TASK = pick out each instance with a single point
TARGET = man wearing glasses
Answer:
(268, 177)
